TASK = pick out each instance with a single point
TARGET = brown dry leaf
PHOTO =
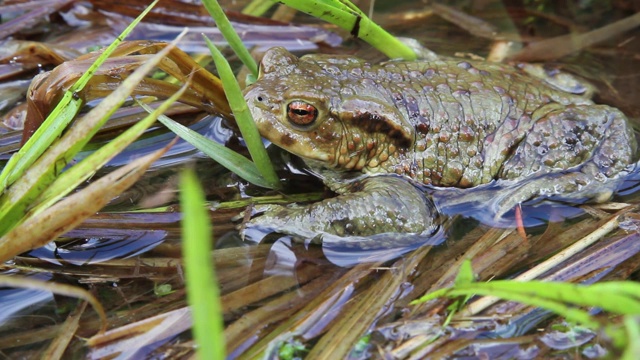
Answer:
(124, 342)
(68, 213)
(56, 348)
(557, 47)
(205, 90)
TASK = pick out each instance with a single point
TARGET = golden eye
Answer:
(301, 113)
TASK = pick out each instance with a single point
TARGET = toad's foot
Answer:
(376, 205)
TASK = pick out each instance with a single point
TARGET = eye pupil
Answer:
(259, 98)
(301, 113)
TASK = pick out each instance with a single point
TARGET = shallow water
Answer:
(280, 286)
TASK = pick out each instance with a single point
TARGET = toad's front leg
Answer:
(375, 205)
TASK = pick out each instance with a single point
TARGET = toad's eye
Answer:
(301, 113)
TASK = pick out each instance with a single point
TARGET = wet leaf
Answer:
(20, 196)
(71, 178)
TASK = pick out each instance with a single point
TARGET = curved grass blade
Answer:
(60, 117)
(622, 297)
(19, 197)
(36, 231)
(258, 7)
(71, 178)
(226, 157)
(243, 117)
(347, 16)
(226, 29)
(202, 288)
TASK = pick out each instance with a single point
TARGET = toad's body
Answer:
(445, 123)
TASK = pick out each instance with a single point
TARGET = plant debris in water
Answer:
(283, 297)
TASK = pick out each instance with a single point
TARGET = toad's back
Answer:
(446, 123)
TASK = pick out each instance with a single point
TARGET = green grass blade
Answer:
(561, 298)
(572, 314)
(224, 156)
(258, 7)
(465, 274)
(347, 16)
(202, 288)
(622, 297)
(37, 231)
(230, 35)
(16, 200)
(243, 117)
(629, 288)
(632, 327)
(581, 295)
(71, 178)
(60, 117)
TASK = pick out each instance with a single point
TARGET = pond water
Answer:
(281, 289)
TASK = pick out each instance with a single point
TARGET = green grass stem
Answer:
(80, 172)
(224, 156)
(20, 196)
(60, 117)
(202, 288)
(232, 37)
(243, 117)
(347, 16)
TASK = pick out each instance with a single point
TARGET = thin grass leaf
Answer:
(465, 274)
(73, 177)
(243, 117)
(581, 295)
(258, 7)
(628, 288)
(224, 156)
(202, 288)
(60, 117)
(226, 29)
(625, 302)
(16, 200)
(347, 16)
(37, 231)
(560, 298)
(632, 327)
